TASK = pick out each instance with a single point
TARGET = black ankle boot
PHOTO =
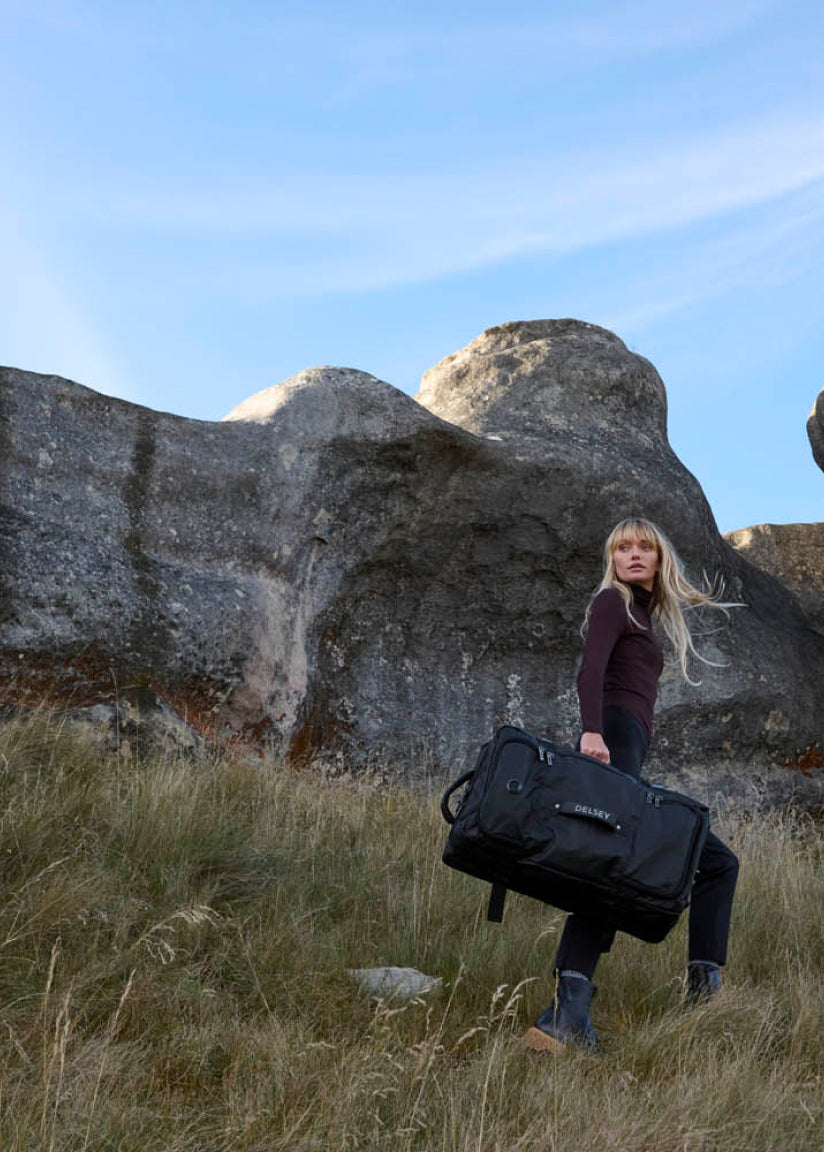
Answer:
(703, 981)
(566, 1020)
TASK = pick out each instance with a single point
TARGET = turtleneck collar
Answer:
(641, 596)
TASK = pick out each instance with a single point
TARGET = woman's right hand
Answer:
(592, 744)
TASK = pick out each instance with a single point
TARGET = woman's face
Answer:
(636, 561)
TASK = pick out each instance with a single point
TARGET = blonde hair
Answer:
(672, 592)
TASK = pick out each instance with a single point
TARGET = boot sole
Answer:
(537, 1040)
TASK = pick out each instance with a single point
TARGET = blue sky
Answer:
(200, 199)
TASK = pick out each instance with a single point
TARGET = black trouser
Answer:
(583, 940)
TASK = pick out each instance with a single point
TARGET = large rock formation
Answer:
(337, 569)
(815, 429)
(794, 554)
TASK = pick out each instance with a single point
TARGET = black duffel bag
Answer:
(543, 820)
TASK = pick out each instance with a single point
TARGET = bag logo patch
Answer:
(574, 808)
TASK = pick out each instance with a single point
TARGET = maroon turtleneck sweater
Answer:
(621, 663)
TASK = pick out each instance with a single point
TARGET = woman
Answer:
(617, 684)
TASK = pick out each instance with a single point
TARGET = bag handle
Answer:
(588, 812)
(447, 814)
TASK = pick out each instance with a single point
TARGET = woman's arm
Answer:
(607, 620)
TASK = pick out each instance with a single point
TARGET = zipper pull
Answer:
(545, 755)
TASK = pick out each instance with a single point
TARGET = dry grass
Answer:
(174, 939)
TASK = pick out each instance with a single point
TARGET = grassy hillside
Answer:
(175, 943)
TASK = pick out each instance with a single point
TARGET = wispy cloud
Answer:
(363, 232)
(348, 58)
(517, 47)
(782, 245)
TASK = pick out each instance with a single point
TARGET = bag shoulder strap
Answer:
(445, 809)
(497, 898)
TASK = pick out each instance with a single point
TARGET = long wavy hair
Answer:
(672, 592)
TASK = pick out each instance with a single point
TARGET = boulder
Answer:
(794, 554)
(591, 417)
(144, 550)
(338, 570)
(815, 429)
(547, 378)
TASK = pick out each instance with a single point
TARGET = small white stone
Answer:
(390, 981)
